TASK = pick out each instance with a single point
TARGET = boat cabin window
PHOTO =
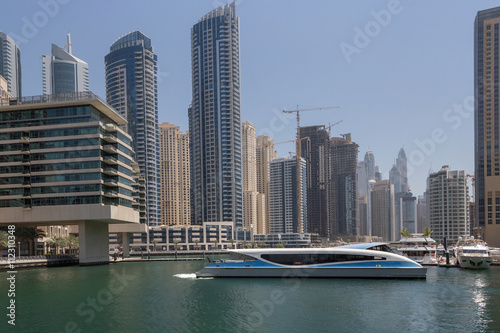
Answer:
(383, 248)
(315, 258)
(474, 251)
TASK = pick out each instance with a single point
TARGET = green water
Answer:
(147, 297)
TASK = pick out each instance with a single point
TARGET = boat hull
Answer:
(474, 262)
(325, 272)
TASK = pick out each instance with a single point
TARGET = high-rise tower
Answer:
(315, 150)
(487, 123)
(265, 154)
(343, 187)
(10, 64)
(64, 73)
(131, 89)
(174, 180)
(214, 119)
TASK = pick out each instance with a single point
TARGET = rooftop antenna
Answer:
(69, 43)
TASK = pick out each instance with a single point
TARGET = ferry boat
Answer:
(369, 260)
(472, 253)
(420, 249)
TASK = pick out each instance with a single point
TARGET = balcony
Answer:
(110, 138)
(110, 149)
(110, 182)
(110, 194)
(110, 160)
(110, 171)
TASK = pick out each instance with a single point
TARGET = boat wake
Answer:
(191, 276)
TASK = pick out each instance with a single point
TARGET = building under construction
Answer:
(343, 156)
(314, 149)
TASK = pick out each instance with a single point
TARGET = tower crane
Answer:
(329, 127)
(298, 153)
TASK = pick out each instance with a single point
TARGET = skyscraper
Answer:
(10, 64)
(343, 189)
(448, 204)
(64, 73)
(265, 154)
(174, 176)
(382, 210)
(487, 123)
(402, 165)
(214, 119)
(315, 150)
(250, 194)
(283, 199)
(131, 88)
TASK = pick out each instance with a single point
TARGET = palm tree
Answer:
(253, 244)
(4, 240)
(154, 244)
(232, 241)
(427, 232)
(404, 232)
(196, 241)
(31, 235)
(262, 244)
(73, 242)
(215, 243)
(245, 244)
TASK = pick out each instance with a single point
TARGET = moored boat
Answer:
(419, 248)
(369, 260)
(472, 253)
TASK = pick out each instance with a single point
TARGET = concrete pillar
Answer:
(94, 243)
(125, 244)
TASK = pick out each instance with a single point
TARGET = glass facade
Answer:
(214, 119)
(65, 155)
(131, 89)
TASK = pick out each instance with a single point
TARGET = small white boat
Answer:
(472, 253)
(420, 249)
(368, 260)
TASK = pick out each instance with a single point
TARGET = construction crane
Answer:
(298, 155)
(329, 127)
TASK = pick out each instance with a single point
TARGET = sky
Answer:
(400, 71)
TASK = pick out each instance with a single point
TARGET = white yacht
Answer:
(472, 253)
(420, 249)
(369, 260)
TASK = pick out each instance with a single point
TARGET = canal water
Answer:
(166, 297)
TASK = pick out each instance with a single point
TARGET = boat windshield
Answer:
(475, 251)
(383, 248)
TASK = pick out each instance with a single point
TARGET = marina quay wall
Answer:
(64, 160)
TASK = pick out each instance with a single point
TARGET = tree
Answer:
(73, 242)
(232, 241)
(154, 244)
(404, 232)
(262, 244)
(196, 241)
(427, 232)
(215, 243)
(253, 244)
(4, 240)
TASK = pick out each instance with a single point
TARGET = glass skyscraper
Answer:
(64, 73)
(10, 64)
(131, 89)
(214, 119)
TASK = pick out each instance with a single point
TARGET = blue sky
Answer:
(401, 71)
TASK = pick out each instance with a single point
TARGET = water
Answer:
(167, 297)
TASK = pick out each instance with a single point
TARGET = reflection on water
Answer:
(166, 297)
